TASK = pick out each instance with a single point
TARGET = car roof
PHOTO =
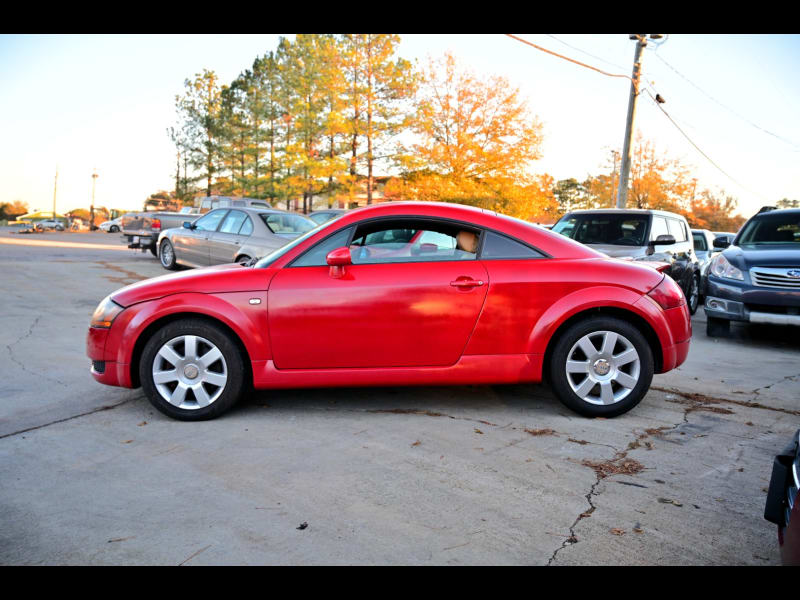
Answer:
(635, 211)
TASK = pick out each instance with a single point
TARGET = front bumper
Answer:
(742, 301)
(105, 371)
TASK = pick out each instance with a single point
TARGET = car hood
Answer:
(209, 280)
(615, 251)
(746, 257)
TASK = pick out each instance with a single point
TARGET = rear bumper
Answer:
(139, 240)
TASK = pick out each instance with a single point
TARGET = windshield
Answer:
(613, 229)
(771, 230)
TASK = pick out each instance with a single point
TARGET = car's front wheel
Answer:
(601, 367)
(113, 229)
(167, 256)
(192, 370)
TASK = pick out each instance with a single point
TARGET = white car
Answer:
(112, 226)
(50, 224)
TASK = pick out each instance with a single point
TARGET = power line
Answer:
(584, 52)
(699, 150)
(745, 119)
(572, 60)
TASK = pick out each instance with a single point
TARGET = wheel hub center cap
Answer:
(191, 372)
(602, 367)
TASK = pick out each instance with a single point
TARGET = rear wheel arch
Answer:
(156, 325)
(639, 322)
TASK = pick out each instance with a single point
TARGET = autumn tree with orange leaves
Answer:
(475, 141)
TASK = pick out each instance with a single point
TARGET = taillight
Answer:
(668, 294)
(156, 224)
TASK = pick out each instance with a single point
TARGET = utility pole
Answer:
(615, 154)
(55, 188)
(641, 43)
(91, 211)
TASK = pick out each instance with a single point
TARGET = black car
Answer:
(783, 507)
(756, 278)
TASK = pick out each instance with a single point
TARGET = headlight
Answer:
(105, 313)
(720, 267)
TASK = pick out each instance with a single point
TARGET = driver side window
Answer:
(413, 240)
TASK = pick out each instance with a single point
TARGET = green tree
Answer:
(200, 108)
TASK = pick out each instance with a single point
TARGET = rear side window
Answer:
(497, 246)
(233, 222)
(677, 230)
(659, 228)
(247, 227)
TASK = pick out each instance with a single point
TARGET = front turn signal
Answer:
(105, 313)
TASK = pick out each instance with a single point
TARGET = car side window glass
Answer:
(676, 229)
(699, 242)
(316, 256)
(497, 246)
(210, 221)
(233, 222)
(247, 227)
(658, 228)
(410, 240)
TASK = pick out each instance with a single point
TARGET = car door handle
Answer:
(466, 283)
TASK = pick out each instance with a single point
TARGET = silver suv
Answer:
(639, 234)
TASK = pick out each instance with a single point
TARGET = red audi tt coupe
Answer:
(402, 293)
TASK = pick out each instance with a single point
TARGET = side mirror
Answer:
(722, 242)
(187, 225)
(664, 239)
(337, 260)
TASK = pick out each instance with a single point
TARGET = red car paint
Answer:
(458, 322)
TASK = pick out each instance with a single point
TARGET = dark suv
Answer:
(652, 235)
(757, 277)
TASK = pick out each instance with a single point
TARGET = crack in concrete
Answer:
(702, 399)
(91, 412)
(766, 387)
(21, 364)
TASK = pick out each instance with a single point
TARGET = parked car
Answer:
(112, 226)
(643, 235)
(704, 250)
(141, 229)
(320, 216)
(756, 278)
(476, 298)
(49, 224)
(229, 235)
(782, 506)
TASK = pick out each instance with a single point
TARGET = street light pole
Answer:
(55, 188)
(91, 211)
(625, 167)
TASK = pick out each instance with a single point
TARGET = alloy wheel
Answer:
(603, 367)
(189, 372)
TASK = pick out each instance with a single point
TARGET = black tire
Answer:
(232, 362)
(693, 295)
(243, 259)
(167, 259)
(113, 229)
(716, 327)
(558, 364)
(154, 249)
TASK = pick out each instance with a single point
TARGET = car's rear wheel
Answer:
(113, 229)
(243, 259)
(167, 256)
(717, 327)
(601, 367)
(192, 370)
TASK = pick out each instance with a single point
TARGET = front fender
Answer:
(602, 296)
(248, 321)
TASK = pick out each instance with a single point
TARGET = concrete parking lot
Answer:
(433, 475)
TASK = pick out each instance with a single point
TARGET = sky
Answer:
(77, 103)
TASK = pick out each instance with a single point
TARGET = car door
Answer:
(191, 245)
(388, 309)
(224, 243)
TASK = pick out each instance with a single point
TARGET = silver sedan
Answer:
(227, 235)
